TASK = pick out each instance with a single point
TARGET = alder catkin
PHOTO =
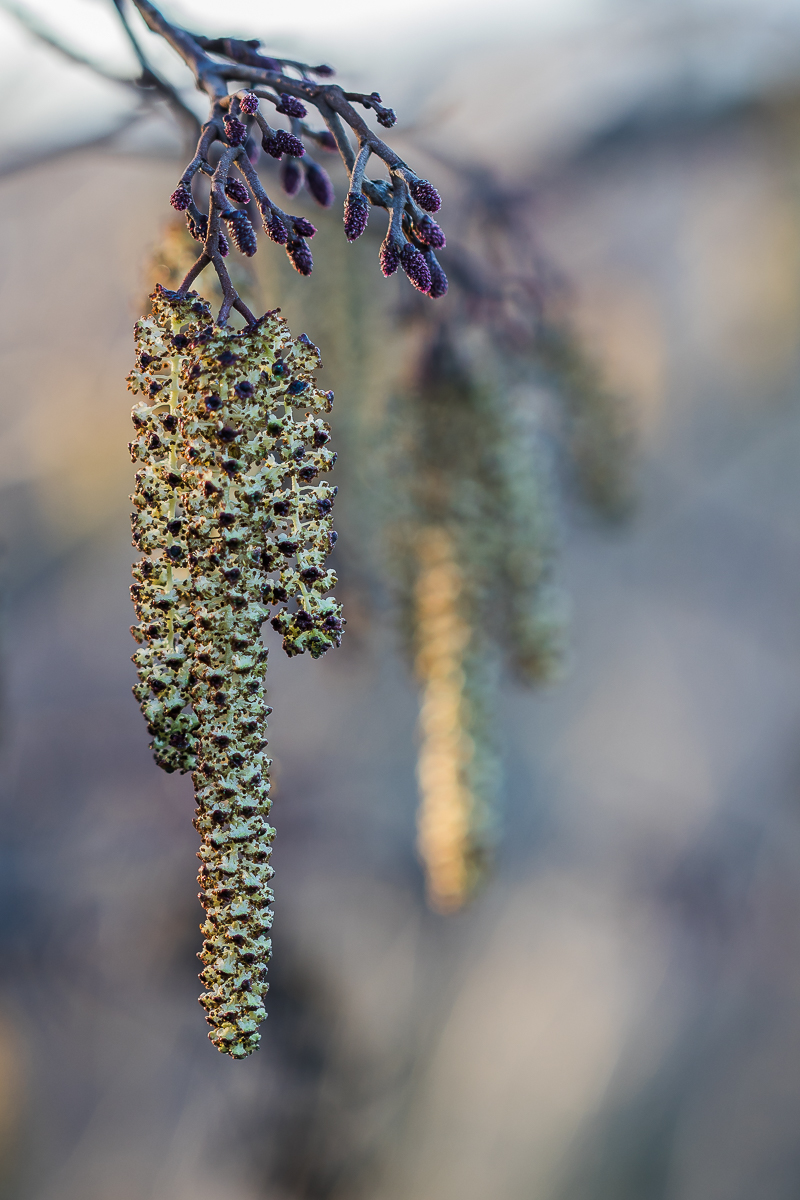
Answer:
(450, 821)
(255, 532)
(160, 592)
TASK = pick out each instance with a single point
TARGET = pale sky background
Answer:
(519, 78)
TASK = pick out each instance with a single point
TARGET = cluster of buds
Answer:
(234, 524)
(237, 123)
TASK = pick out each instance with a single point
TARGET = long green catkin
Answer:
(254, 528)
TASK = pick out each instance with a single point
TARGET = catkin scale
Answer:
(241, 478)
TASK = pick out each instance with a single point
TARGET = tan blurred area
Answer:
(617, 1016)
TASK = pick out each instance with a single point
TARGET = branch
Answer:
(234, 116)
(151, 78)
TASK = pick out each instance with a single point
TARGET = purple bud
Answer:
(439, 283)
(319, 184)
(274, 227)
(290, 106)
(235, 131)
(356, 215)
(425, 195)
(326, 139)
(236, 190)
(197, 228)
(300, 255)
(288, 143)
(387, 117)
(430, 233)
(224, 248)
(303, 227)
(242, 232)
(249, 103)
(390, 256)
(181, 198)
(323, 70)
(291, 177)
(415, 267)
(271, 146)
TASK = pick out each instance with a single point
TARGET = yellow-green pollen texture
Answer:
(233, 523)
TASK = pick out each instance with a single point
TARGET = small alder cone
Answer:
(161, 588)
(256, 529)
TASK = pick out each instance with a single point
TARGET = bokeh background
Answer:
(617, 1015)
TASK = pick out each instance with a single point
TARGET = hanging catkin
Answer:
(473, 552)
(445, 821)
(161, 592)
(246, 514)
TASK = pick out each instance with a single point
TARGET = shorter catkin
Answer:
(160, 591)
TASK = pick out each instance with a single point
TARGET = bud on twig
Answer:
(430, 233)
(415, 267)
(389, 256)
(181, 198)
(274, 227)
(356, 215)
(300, 255)
(287, 143)
(291, 177)
(439, 282)
(425, 195)
(236, 190)
(270, 145)
(303, 227)
(235, 131)
(241, 231)
(318, 184)
(291, 107)
(249, 103)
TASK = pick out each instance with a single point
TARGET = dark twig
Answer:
(151, 78)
